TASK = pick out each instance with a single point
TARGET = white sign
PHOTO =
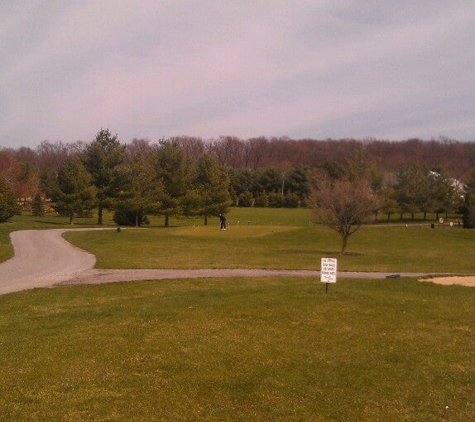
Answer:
(328, 270)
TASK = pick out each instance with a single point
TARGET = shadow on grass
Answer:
(52, 223)
(339, 253)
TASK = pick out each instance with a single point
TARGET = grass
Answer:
(239, 350)
(381, 248)
(257, 349)
(239, 216)
(264, 238)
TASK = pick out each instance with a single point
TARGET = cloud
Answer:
(313, 69)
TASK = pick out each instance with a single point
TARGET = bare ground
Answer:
(44, 259)
(459, 280)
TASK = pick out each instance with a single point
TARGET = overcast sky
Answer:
(303, 68)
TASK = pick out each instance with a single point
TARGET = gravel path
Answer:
(44, 259)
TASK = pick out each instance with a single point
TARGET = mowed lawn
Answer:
(297, 244)
(257, 349)
(265, 238)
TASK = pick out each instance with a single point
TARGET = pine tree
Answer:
(73, 192)
(469, 204)
(37, 209)
(212, 188)
(8, 203)
(173, 173)
(103, 160)
(140, 195)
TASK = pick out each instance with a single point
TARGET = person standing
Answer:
(222, 222)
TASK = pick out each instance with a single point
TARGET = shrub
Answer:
(246, 199)
(276, 200)
(261, 200)
(292, 200)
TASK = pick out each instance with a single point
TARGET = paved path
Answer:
(44, 259)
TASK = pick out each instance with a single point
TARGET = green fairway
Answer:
(273, 238)
(379, 248)
(239, 350)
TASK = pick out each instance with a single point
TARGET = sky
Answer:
(315, 69)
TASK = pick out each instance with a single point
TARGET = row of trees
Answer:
(345, 200)
(409, 190)
(21, 167)
(186, 176)
(161, 180)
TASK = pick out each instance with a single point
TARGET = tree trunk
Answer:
(71, 216)
(167, 221)
(137, 219)
(99, 218)
(344, 243)
(206, 220)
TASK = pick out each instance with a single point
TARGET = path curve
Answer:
(43, 258)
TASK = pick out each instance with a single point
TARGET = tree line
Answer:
(345, 198)
(189, 176)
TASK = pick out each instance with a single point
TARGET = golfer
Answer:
(222, 222)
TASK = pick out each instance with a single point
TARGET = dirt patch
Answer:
(447, 281)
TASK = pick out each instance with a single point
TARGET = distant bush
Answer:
(276, 200)
(292, 200)
(246, 199)
(261, 200)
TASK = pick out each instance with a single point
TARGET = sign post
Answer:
(328, 271)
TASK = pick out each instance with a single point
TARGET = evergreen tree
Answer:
(269, 179)
(140, 195)
(246, 199)
(389, 203)
(410, 191)
(292, 200)
(211, 188)
(173, 173)
(242, 180)
(8, 203)
(261, 200)
(276, 200)
(296, 181)
(37, 209)
(443, 193)
(468, 209)
(73, 192)
(103, 159)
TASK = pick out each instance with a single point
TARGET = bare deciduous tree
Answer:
(342, 205)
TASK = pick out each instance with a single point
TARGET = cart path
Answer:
(43, 258)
